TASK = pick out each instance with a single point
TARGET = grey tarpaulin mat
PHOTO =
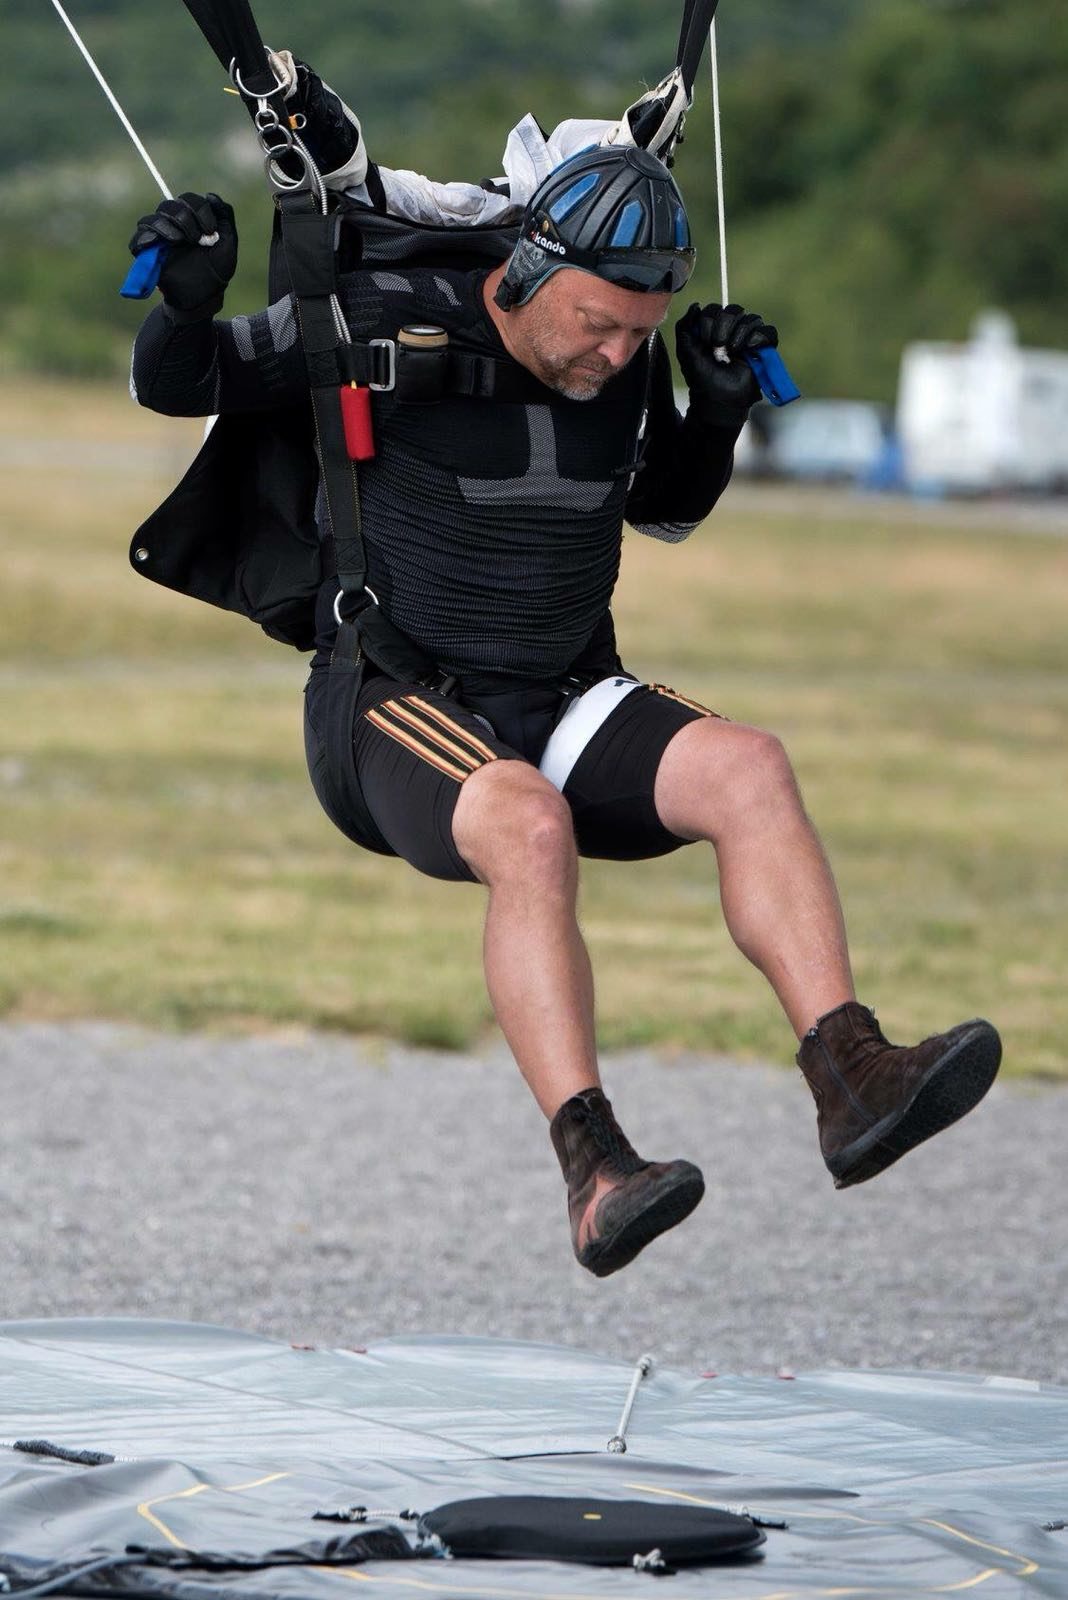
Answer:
(889, 1483)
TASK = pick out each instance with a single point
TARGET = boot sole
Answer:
(952, 1087)
(661, 1208)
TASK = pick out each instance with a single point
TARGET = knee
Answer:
(536, 828)
(516, 828)
(716, 776)
(761, 768)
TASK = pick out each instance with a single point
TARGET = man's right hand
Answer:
(200, 234)
(711, 343)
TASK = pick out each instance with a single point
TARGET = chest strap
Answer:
(470, 373)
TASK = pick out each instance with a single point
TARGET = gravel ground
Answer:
(328, 1191)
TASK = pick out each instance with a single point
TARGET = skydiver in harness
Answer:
(492, 531)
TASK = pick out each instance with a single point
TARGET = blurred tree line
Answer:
(892, 166)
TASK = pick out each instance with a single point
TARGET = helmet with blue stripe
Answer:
(616, 212)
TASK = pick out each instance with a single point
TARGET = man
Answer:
(492, 533)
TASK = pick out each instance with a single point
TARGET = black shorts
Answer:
(412, 748)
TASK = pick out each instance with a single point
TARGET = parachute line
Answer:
(115, 106)
(721, 210)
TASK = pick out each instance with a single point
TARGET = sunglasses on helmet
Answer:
(647, 271)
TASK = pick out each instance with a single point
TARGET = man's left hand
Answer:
(329, 129)
(711, 343)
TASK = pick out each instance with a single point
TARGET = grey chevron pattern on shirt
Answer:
(541, 484)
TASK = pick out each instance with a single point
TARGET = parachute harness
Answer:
(287, 161)
(339, 385)
(230, 29)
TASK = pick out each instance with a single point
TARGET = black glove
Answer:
(722, 386)
(195, 272)
(330, 130)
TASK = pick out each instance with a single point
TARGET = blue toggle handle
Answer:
(144, 272)
(769, 370)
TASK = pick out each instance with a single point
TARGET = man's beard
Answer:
(573, 381)
(566, 375)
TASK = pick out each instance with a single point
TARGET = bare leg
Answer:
(514, 831)
(734, 786)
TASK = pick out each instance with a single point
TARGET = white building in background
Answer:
(983, 416)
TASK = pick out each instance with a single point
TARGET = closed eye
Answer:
(616, 327)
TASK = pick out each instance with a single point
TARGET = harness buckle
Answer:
(389, 368)
(338, 618)
(440, 682)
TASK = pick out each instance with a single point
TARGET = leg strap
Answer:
(343, 688)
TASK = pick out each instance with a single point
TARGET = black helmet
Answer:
(615, 212)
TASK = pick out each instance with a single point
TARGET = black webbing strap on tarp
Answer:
(61, 1452)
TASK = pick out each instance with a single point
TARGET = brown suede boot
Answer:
(616, 1201)
(876, 1100)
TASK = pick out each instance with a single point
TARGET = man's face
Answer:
(577, 331)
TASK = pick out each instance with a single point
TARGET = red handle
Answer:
(356, 415)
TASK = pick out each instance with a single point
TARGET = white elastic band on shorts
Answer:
(578, 725)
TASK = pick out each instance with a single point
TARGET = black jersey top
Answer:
(492, 529)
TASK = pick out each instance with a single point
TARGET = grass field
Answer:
(164, 859)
